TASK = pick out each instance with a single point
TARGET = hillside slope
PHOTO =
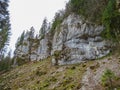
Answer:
(79, 41)
(43, 76)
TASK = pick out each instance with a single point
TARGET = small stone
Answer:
(83, 65)
(92, 67)
(72, 68)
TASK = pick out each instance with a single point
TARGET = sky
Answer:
(27, 13)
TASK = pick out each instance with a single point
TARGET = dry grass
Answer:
(43, 76)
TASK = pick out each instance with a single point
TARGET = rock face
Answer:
(34, 49)
(77, 40)
(43, 48)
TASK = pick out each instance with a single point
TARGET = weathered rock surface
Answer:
(78, 40)
(74, 41)
(43, 49)
(36, 49)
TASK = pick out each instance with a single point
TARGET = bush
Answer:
(20, 61)
(107, 78)
(40, 73)
(5, 64)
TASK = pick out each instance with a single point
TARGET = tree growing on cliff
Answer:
(58, 18)
(85, 7)
(43, 28)
(20, 40)
(30, 40)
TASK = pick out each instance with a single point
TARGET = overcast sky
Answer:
(27, 13)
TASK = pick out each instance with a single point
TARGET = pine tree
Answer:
(108, 14)
(4, 26)
(43, 28)
(30, 39)
(20, 39)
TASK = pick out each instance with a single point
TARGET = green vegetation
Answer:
(57, 56)
(108, 18)
(21, 61)
(78, 4)
(43, 29)
(5, 59)
(4, 35)
(56, 22)
(85, 7)
(43, 76)
(107, 79)
(20, 39)
(6, 63)
(4, 26)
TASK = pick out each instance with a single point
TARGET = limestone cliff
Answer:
(75, 40)
(32, 48)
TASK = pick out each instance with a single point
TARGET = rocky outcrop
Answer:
(43, 51)
(26, 50)
(35, 48)
(77, 40)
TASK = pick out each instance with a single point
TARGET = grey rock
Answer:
(76, 41)
(39, 48)
(81, 38)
